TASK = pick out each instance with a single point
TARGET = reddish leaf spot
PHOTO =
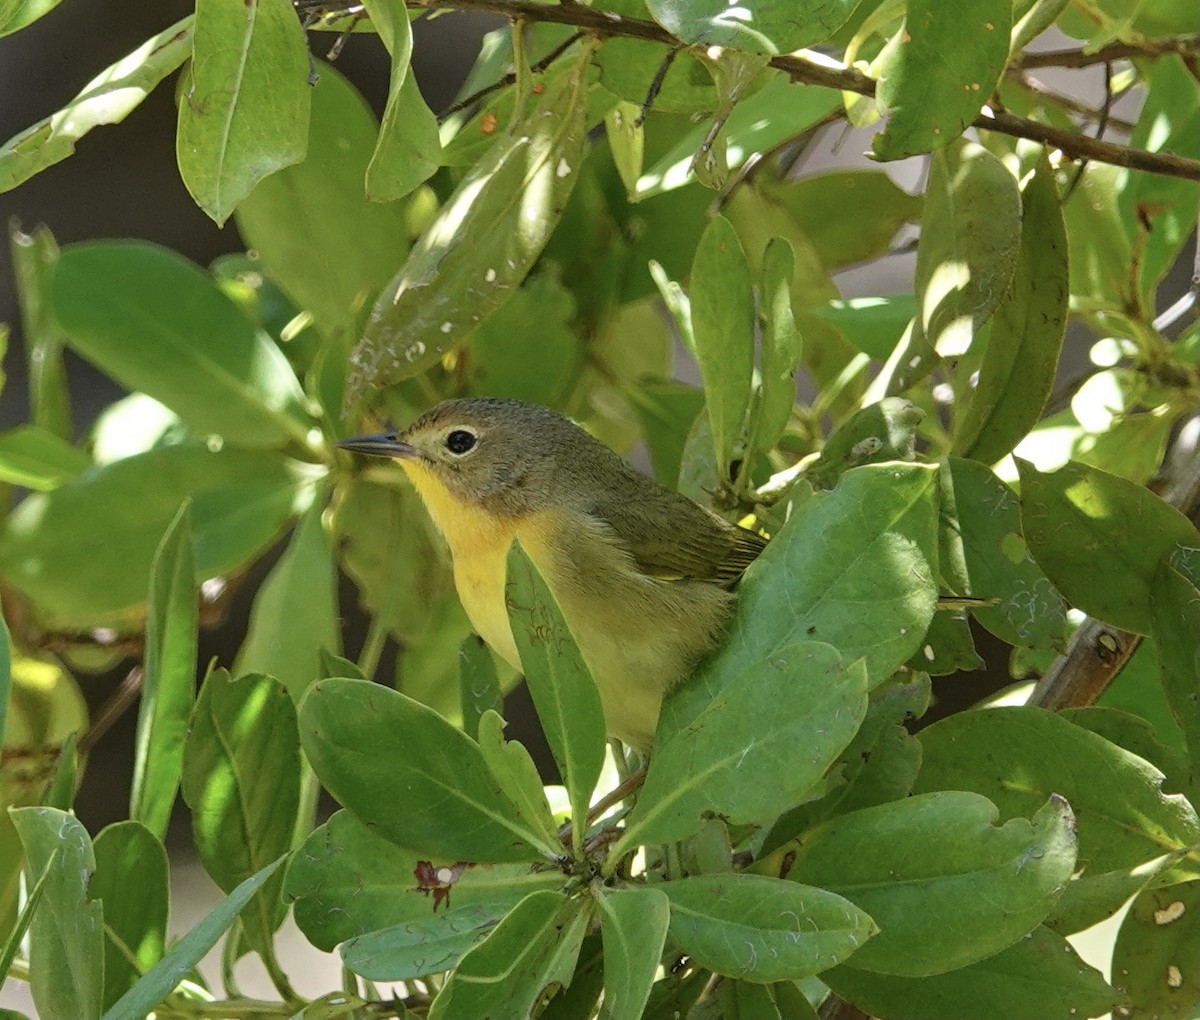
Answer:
(436, 880)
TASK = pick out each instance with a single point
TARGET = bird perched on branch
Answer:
(641, 573)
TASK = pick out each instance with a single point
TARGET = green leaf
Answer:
(83, 552)
(107, 99)
(878, 766)
(757, 26)
(244, 103)
(1040, 977)
(34, 257)
(782, 346)
(483, 241)
(938, 71)
(1021, 357)
(374, 748)
(16, 14)
(188, 951)
(879, 432)
(346, 881)
(563, 690)
(872, 324)
(60, 790)
(66, 936)
(1086, 527)
(168, 677)
(730, 999)
(1084, 904)
(408, 150)
(633, 925)
(295, 612)
(713, 757)
(242, 730)
(35, 458)
(531, 950)
(627, 67)
(938, 856)
(983, 554)
(1175, 626)
(157, 323)
(762, 929)
(513, 768)
(627, 142)
(478, 684)
(329, 254)
(5, 680)
(1154, 959)
(1019, 756)
(131, 881)
(21, 926)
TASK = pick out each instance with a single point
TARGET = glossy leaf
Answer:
(17, 14)
(408, 149)
(938, 72)
(295, 613)
(633, 925)
(713, 758)
(347, 881)
(157, 323)
(107, 99)
(83, 552)
(534, 947)
(1175, 626)
(1021, 357)
(34, 258)
(168, 677)
(1086, 527)
(373, 748)
(188, 951)
(67, 933)
(244, 104)
(131, 881)
(478, 684)
(484, 240)
(762, 929)
(757, 26)
(1039, 977)
(1154, 959)
(35, 458)
(983, 554)
(242, 730)
(937, 856)
(328, 254)
(1018, 756)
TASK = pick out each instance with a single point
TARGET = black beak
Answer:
(384, 444)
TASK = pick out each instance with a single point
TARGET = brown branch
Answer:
(112, 709)
(606, 23)
(1184, 45)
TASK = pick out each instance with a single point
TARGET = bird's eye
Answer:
(460, 441)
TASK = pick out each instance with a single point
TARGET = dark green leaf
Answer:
(938, 71)
(478, 684)
(1039, 977)
(188, 951)
(244, 104)
(35, 458)
(1019, 756)
(626, 141)
(747, 1000)
(1084, 904)
(628, 66)
(324, 243)
(34, 257)
(872, 324)
(713, 756)
(157, 323)
(168, 677)
(107, 99)
(532, 951)
(346, 881)
(131, 881)
(762, 929)
(67, 934)
(21, 926)
(1155, 959)
(983, 554)
(1175, 625)
(513, 768)
(580, 997)
(242, 730)
(60, 790)
(633, 924)
(374, 748)
(5, 680)
(936, 857)
(563, 690)
(666, 410)
(295, 612)
(1021, 357)
(781, 348)
(484, 240)
(879, 432)
(1086, 527)
(758, 26)
(83, 552)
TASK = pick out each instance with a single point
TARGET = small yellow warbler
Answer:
(640, 572)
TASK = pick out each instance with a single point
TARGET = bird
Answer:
(641, 573)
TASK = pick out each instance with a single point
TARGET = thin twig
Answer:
(1069, 103)
(1184, 45)
(614, 796)
(125, 695)
(511, 78)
